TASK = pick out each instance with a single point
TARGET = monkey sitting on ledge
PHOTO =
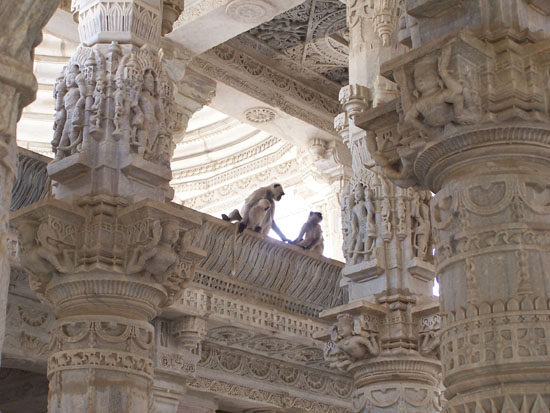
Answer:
(311, 234)
(258, 211)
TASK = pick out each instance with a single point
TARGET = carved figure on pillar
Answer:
(363, 235)
(346, 202)
(352, 339)
(440, 97)
(120, 109)
(422, 225)
(151, 120)
(98, 106)
(40, 256)
(72, 114)
(59, 91)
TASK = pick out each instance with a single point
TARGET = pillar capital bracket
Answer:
(457, 98)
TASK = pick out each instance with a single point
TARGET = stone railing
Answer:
(265, 270)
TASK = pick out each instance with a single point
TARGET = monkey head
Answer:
(277, 191)
(315, 217)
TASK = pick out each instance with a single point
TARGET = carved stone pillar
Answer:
(472, 125)
(387, 335)
(20, 33)
(108, 252)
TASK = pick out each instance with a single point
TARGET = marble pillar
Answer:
(472, 125)
(387, 336)
(20, 33)
(108, 252)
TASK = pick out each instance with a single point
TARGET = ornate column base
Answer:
(397, 384)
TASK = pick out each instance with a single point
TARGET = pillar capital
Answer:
(134, 22)
(459, 97)
(101, 247)
(391, 349)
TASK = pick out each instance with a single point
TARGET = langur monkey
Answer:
(262, 217)
(257, 214)
(311, 234)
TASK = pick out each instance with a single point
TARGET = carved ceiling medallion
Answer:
(249, 11)
(260, 115)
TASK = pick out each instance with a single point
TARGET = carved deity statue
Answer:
(59, 91)
(98, 106)
(440, 97)
(363, 235)
(72, 115)
(39, 253)
(422, 228)
(158, 256)
(351, 340)
(152, 120)
(347, 202)
(120, 110)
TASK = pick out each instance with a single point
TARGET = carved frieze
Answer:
(276, 372)
(274, 398)
(137, 22)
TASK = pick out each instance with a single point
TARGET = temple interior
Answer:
(275, 206)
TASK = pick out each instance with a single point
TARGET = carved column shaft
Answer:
(472, 126)
(382, 336)
(20, 32)
(108, 253)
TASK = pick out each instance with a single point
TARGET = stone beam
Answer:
(269, 99)
(205, 24)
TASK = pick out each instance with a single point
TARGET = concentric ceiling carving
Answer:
(313, 34)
